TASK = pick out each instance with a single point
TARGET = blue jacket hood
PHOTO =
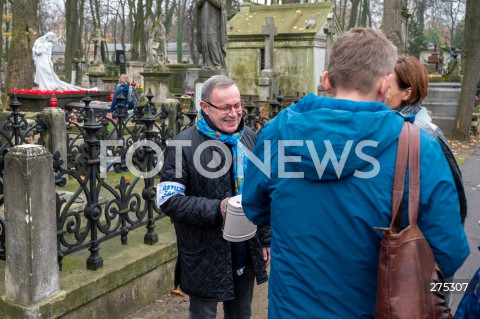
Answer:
(349, 145)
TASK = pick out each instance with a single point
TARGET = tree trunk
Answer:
(139, 48)
(20, 65)
(392, 22)
(94, 20)
(1, 38)
(141, 22)
(343, 13)
(71, 20)
(169, 10)
(81, 55)
(363, 20)
(353, 14)
(421, 8)
(180, 32)
(472, 70)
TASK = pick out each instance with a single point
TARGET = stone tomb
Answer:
(299, 45)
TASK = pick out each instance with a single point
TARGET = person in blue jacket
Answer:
(122, 86)
(321, 175)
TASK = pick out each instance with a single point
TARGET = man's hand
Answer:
(223, 206)
(266, 256)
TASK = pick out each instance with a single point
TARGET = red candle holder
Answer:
(53, 100)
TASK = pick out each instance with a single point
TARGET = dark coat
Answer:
(204, 264)
(120, 88)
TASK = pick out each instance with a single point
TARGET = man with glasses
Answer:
(204, 166)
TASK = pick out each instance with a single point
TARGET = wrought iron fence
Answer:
(96, 210)
(109, 211)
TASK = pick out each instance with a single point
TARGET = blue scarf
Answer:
(239, 152)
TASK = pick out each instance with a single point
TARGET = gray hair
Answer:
(216, 81)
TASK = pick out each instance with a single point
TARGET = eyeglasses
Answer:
(224, 110)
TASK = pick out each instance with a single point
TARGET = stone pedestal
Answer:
(267, 85)
(55, 136)
(110, 81)
(177, 82)
(98, 67)
(204, 75)
(156, 80)
(192, 76)
(31, 273)
(95, 80)
(134, 69)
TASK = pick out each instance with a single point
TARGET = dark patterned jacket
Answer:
(204, 264)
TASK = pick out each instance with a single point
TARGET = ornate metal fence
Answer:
(15, 130)
(95, 210)
(109, 211)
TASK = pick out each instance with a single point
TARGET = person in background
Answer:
(210, 269)
(330, 183)
(408, 88)
(122, 86)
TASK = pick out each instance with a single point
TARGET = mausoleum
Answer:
(300, 45)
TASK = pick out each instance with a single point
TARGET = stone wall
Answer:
(298, 65)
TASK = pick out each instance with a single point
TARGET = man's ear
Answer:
(382, 90)
(204, 107)
(326, 83)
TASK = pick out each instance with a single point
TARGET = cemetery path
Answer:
(172, 306)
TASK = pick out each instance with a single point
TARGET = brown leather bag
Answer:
(407, 267)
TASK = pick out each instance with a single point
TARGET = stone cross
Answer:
(329, 30)
(269, 30)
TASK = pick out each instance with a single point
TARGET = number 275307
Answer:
(449, 286)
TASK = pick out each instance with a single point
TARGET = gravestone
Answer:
(178, 81)
(133, 71)
(268, 81)
(330, 31)
(156, 79)
(442, 101)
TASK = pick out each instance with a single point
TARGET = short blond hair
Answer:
(123, 79)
